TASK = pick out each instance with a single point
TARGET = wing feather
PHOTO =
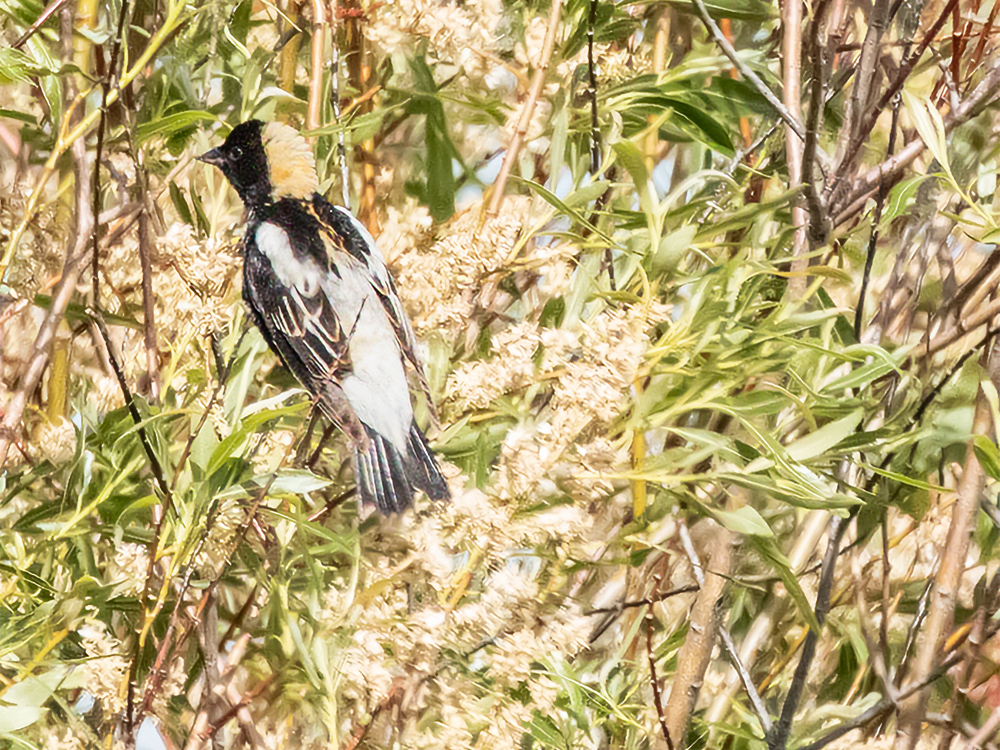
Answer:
(349, 235)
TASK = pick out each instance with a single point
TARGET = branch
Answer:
(880, 708)
(817, 56)
(651, 658)
(963, 327)
(595, 129)
(537, 81)
(44, 16)
(696, 652)
(859, 314)
(778, 738)
(946, 582)
(791, 120)
(316, 48)
(889, 171)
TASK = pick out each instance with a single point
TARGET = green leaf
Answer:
(172, 124)
(826, 437)
(768, 549)
(988, 455)
(13, 114)
(15, 718)
(248, 425)
(180, 204)
(745, 520)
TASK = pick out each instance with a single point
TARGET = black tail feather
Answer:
(387, 479)
(426, 474)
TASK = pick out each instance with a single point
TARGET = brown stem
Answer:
(791, 78)
(864, 130)
(651, 658)
(890, 171)
(946, 582)
(146, 242)
(317, 47)
(819, 67)
(45, 15)
(534, 90)
(982, 316)
(696, 653)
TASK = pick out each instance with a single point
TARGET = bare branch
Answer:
(943, 600)
(890, 171)
(783, 112)
(696, 652)
(50, 10)
(534, 91)
(778, 738)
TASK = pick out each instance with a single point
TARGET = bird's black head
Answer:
(243, 161)
(266, 162)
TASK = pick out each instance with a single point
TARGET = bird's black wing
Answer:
(351, 237)
(300, 324)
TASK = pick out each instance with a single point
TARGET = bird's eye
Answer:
(235, 152)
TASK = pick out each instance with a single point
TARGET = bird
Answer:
(317, 287)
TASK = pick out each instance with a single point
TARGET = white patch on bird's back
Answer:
(377, 388)
(376, 265)
(304, 275)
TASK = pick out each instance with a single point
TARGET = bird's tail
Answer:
(387, 479)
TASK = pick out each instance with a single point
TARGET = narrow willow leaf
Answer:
(826, 437)
(745, 520)
(768, 549)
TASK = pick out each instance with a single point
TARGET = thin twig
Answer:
(619, 608)
(963, 327)
(777, 739)
(535, 89)
(651, 658)
(756, 701)
(885, 704)
(946, 582)
(859, 314)
(864, 130)
(345, 175)
(595, 127)
(727, 49)
(818, 222)
(45, 15)
(888, 172)
(987, 730)
(106, 80)
(244, 701)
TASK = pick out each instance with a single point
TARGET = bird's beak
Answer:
(214, 157)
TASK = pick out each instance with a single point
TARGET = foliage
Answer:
(645, 455)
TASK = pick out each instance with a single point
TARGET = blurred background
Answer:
(706, 296)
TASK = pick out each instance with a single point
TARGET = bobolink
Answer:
(318, 289)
